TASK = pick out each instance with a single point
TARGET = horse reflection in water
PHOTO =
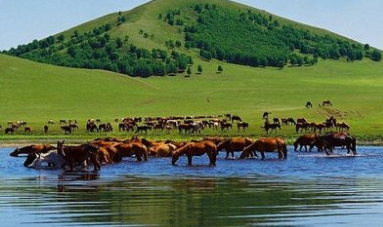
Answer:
(70, 181)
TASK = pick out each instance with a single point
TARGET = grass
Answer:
(36, 93)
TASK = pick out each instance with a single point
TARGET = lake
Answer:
(306, 189)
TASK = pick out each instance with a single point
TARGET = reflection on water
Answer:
(307, 189)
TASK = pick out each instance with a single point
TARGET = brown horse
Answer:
(339, 139)
(196, 149)
(326, 103)
(32, 151)
(271, 126)
(305, 140)
(267, 145)
(77, 154)
(162, 150)
(234, 144)
(129, 149)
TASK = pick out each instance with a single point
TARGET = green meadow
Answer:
(35, 93)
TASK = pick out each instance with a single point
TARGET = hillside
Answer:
(168, 36)
(37, 92)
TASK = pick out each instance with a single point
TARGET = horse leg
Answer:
(190, 160)
(263, 155)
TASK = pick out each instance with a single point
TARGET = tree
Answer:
(199, 69)
(119, 42)
(189, 72)
(376, 55)
(61, 38)
(220, 69)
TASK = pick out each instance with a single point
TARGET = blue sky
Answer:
(22, 21)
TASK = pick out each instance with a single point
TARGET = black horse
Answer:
(340, 139)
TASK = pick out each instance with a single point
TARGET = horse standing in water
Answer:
(234, 144)
(304, 141)
(340, 139)
(267, 145)
(196, 149)
(31, 151)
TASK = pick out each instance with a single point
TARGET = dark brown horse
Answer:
(77, 154)
(243, 125)
(271, 127)
(304, 141)
(267, 145)
(196, 149)
(234, 144)
(339, 139)
(326, 103)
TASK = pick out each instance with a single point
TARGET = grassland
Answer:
(36, 93)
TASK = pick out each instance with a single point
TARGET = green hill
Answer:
(167, 36)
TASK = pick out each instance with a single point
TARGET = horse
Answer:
(288, 121)
(266, 115)
(143, 128)
(52, 158)
(326, 103)
(305, 140)
(267, 145)
(9, 130)
(196, 149)
(339, 139)
(243, 125)
(235, 118)
(46, 127)
(162, 150)
(234, 144)
(139, 150)
(67, 129)
(342, 126)
(27, 129)
(31, 151)
(309, 104)
(301, 127)
(271, 126)
(78, 154)
(225, 126)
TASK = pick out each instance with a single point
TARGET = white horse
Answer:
(52, 158)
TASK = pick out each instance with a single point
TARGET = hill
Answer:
(167, 36)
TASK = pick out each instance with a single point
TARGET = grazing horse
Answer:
(305, 140)
(288, 121)
(67, 129)
(27, 129)
(309, 104)
(243, 125)
(271, 126)
(235, 118)
(234, 144)
(339, 139)
(139, 150)
(77, 154)
(9, 130)
(342, 126)
(301, 127)
(267, 145)
(143, 128)
(196, 149)
(326, 103)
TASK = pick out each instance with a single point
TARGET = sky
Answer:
(22, 21)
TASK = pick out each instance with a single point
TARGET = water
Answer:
(307, 189)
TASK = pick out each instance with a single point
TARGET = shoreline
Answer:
(11, 143)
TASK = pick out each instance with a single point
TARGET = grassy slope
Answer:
(36, 93)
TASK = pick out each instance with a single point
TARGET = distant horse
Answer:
(143, 128)
(304, 141)
(77, 154)
(62, 122)
(196, 149)
(234, 144)
(271, 126)
(267, 145)
(266, 115)
(105, 127)
(46, 127)
(137, 149)
(288, 121)
(309, 104)
(326, 103)
(243, 125)
(235, 118)
(9, 130)
(301, 127)
(225, 126)
(340, 139)
(67, 129)
(27, 129)
(342, 126)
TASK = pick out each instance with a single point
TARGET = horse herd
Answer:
(112, 150)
